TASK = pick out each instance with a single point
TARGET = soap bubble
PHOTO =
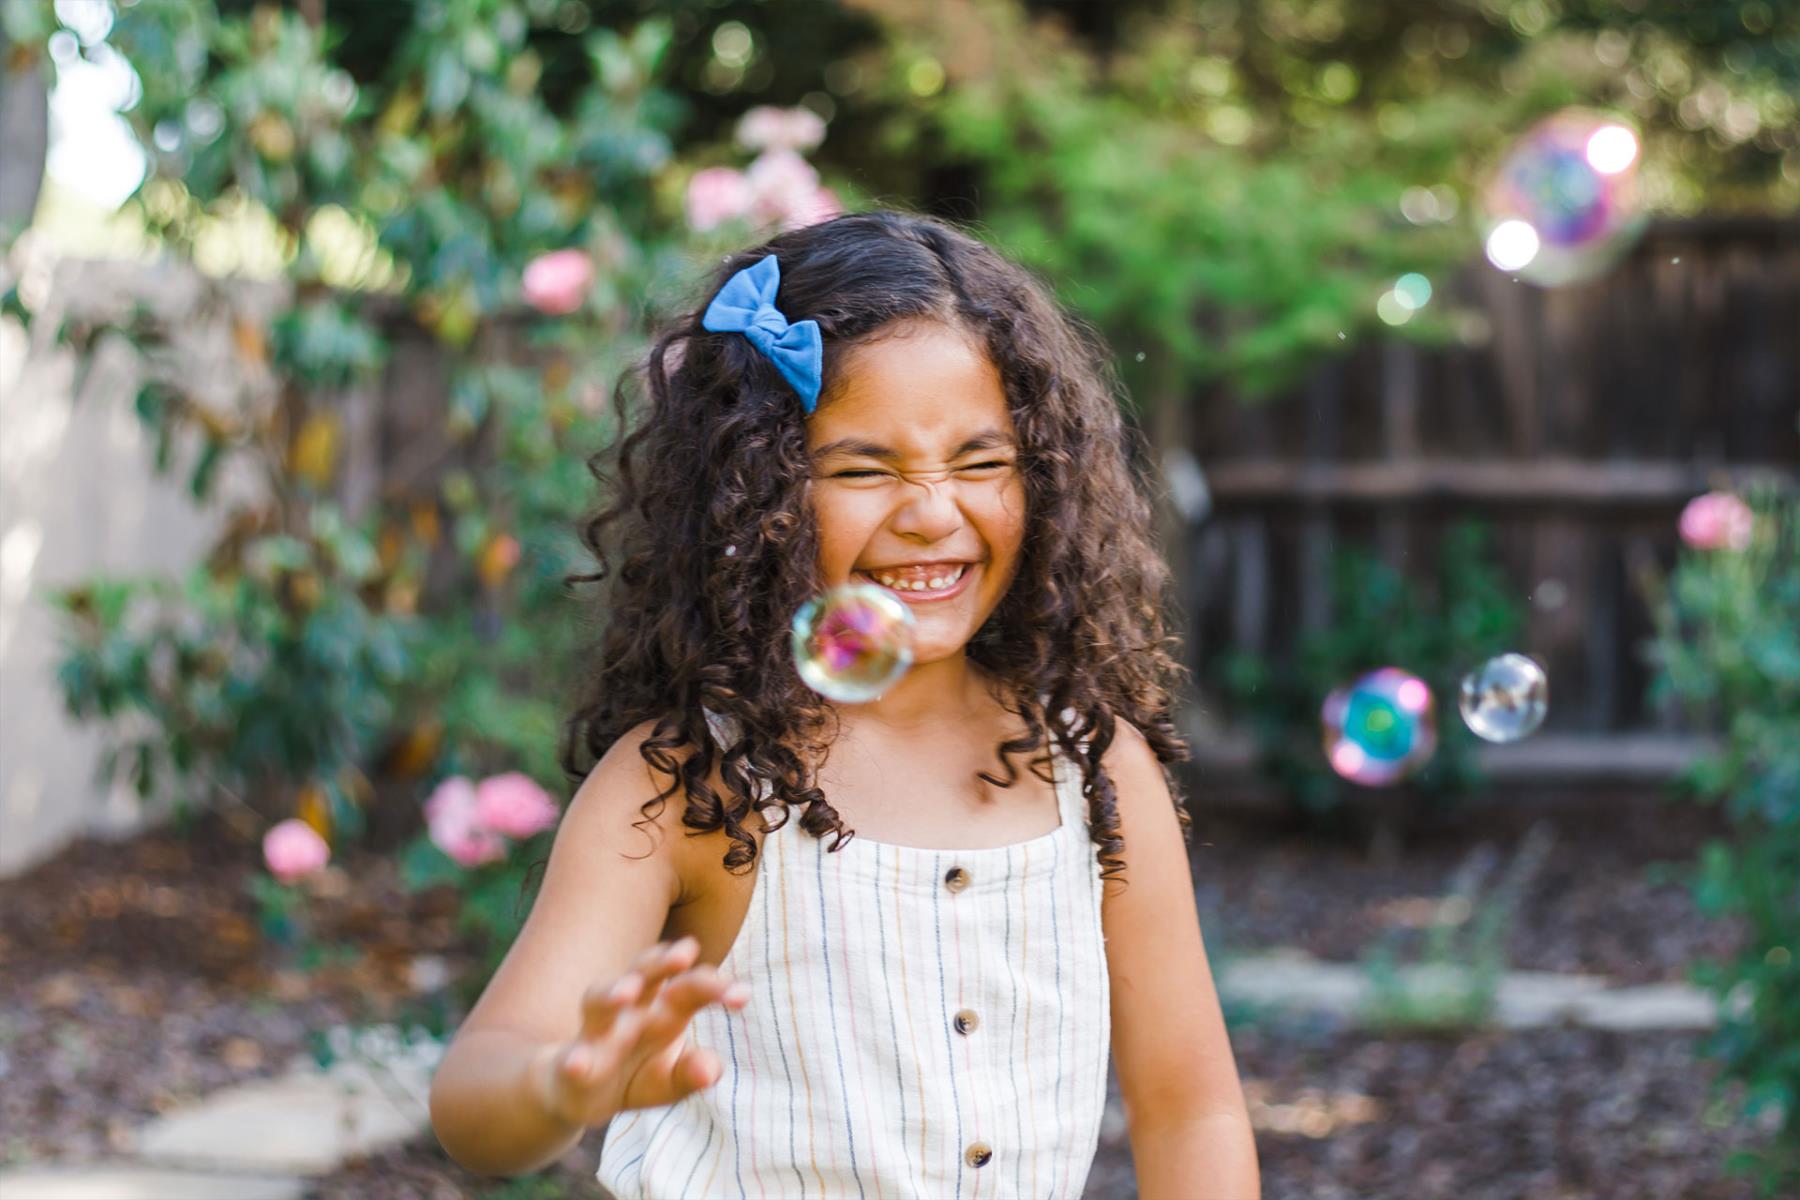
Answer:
(853, 642)
(1563, 205)
(1505, 698)
(1380, 728)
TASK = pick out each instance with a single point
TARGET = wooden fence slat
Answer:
(1399, 440)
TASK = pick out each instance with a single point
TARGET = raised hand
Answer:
(632, 1052)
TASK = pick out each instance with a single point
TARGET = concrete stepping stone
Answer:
(306, 1123)
(1653, 1006)
(1292, 979)
(1532, 999)
(130, 1181)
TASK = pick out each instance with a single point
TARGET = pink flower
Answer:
(514, 805)
(781, 182)
(293, 850)
(557, 283)
(768, 128)
(1715, 521)
(822, 205)
(716, 195)
(454, 826)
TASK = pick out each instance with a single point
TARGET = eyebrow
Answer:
(987, 439)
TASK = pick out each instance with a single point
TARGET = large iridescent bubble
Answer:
(1380, 728)
(1563, 205)
(852, 642)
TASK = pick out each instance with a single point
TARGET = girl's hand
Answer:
(632, 1052)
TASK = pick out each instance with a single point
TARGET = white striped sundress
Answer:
(923, 1023)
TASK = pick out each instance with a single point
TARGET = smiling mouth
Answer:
(924, 586)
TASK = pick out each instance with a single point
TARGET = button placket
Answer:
(976, 1154)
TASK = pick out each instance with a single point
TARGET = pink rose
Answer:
(293, 850)
(514, 805)
(768, 128)
(716, 195)
(781, 182)
(557, 283)
(1715, 521)
(822, 205)
(455, 828)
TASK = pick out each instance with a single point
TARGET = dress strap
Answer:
(1068, 793)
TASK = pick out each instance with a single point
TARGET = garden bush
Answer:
(352, 646)
(1728, 648)
(1437, 628)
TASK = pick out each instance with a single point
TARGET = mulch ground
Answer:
(133, 979)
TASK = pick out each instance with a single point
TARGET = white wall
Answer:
(79, 497)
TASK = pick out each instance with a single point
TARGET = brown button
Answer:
(977, 1154)
(965, 1020)
(956, 879)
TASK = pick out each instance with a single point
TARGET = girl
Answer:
(876, 966)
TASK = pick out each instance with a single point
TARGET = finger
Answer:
(637, 986)
(687, 994)
(585, 1062)
(600, 1006)
(697, 1068)
(663, 960)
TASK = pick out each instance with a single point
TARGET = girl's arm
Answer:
(606, 895)
(1190, 1130)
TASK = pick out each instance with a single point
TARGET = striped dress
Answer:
(923, 1023)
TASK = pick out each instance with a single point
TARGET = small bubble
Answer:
(853, 642)
(1380, 728)
(1505, 698)
(1140, 356)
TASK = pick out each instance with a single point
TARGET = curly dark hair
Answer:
(707, 518)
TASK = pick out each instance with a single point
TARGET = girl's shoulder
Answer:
(696, 856)
(614, 810)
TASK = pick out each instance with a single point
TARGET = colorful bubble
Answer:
(1505, 698)
(1380, 728)
(1563, 205)
(852, 642)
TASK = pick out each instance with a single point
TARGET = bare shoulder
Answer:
(1134, 767)
(1147, 809)
(609, 817)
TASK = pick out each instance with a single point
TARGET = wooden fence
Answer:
(1575, 422)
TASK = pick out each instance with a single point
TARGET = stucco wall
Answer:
(79, 497)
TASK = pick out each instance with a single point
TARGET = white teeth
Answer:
(937, 584)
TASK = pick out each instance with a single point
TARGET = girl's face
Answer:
(916, 481)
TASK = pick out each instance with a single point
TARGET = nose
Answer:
(929, 512)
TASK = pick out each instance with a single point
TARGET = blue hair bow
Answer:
(746, 305)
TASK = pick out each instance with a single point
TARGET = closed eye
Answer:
(863, 474)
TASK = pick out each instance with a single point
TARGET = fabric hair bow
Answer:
(746, 305)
